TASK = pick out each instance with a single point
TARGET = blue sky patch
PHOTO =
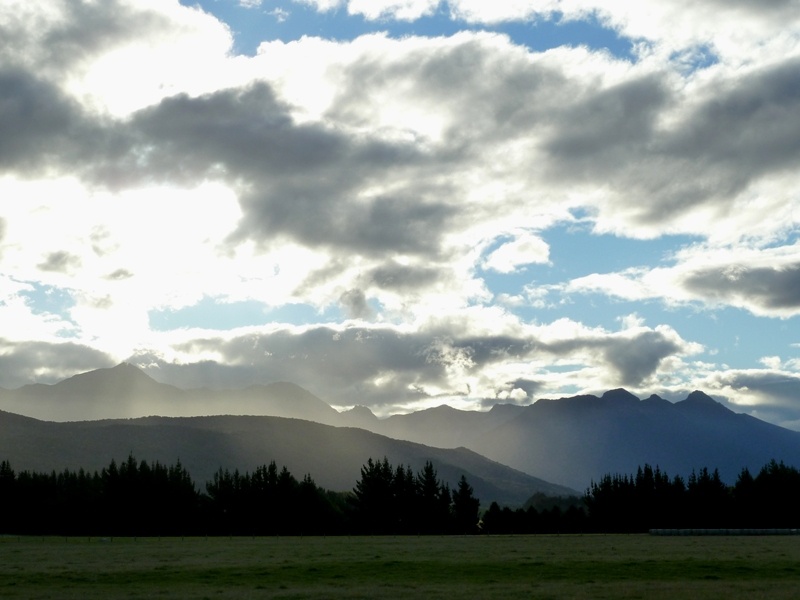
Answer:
(288, 21)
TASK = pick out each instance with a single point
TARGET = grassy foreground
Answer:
(590, 566)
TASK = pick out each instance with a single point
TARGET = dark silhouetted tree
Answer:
(466, 508)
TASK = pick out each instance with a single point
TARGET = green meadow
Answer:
(573, 566)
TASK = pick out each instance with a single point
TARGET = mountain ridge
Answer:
(333, 456)
(570, 441)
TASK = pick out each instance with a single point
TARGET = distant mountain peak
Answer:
(698, 397)
(701, 401)
(125, 366)
(121, 373)
(360, 410)
(656, 399)
(620, 394)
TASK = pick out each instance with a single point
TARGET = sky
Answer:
(405, 203)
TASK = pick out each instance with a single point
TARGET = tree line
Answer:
(651, 499)
(130, 498)
(137, 498)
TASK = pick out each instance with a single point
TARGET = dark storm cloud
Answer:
(238, 130)
(322, 186)
(43, 131)
(530, 387)
(634, 358)
(24, 362)
(42, 128)
(602, 128)
(36, 120)
(403, 278)
(614, 137)
(488, 91)
(318, 216)
(493, 349)
(300, 181)
(296, 181)
(638, 358)
(766, 288)
(748, 128)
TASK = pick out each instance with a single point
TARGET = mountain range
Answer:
(125, 391)
(333, 456)
(568, 441)
(575, 440)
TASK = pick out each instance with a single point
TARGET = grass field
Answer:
(590, 566)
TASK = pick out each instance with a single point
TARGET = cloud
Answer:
(119, 56)
(119, 275)
(404, 278)
(60, 262)
(634, 355)
(281, 15)
(765, 290)
(404, 10)
(379, 177)
(36, 120)
(299, 181)
(31, 361)
(733, 30)
(606, 125)
(637, 358)
(769, 394)
(386, 366)
(388, 174)
(323, 5)
(355, 304)
(524, 249)
(763, 281)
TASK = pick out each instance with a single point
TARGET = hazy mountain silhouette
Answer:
(569, 441)
(125, 391)
(574, 440)
(332, 455)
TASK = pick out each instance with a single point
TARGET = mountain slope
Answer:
(570, 441)
(575, 440)
(96, 394)
(332, 455)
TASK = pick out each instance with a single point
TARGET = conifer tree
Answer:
(466, 508)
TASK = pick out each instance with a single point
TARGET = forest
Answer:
(137, 498)
(651, 499)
